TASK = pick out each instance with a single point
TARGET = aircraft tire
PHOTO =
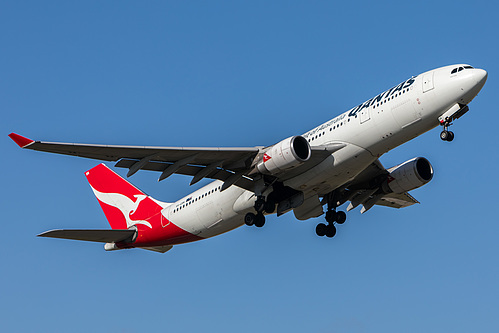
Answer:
(330, 231)
(249, 219)
(259, 220)
(451, 136)
(259, 205)
(320, 230)
(444, 135)
(330, 216)
(341, 217)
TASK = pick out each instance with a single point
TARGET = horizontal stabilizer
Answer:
(102, 236)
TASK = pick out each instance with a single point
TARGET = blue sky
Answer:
(240, 73)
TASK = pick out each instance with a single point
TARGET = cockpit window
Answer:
(455, 70)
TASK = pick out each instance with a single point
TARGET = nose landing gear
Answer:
(455, 112)
(446, 135)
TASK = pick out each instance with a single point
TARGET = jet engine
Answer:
(408, 176)
(285, 155)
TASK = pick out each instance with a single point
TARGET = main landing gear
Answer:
(332, 217)
(258, 219)
(446, 135)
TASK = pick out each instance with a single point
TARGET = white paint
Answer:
(381, 127)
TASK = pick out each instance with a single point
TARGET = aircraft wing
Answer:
(365, 190)
(230, 165)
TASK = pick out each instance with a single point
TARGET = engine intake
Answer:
(408, 176)
(285, 155)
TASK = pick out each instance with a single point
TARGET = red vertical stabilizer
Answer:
(124, 204)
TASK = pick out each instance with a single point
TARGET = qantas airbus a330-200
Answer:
(333, 163)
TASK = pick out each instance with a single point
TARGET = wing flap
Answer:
(101, 236)
(366, 190)
(397, 200)
(189, 170)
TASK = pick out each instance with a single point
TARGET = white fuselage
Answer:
(369, 130)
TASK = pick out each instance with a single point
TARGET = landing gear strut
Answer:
(261, 205)
(446, 135)
(332, 217)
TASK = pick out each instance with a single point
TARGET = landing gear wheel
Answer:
(259, 220)
(330, 231)
(446, 135)
(451, 136)
(249, 219)
(259, 204)
(331, 216)
(341, 217)
(321, 229)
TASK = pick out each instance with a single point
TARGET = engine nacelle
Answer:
(408, 176)
(285, 155)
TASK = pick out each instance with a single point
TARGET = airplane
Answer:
(330, 165)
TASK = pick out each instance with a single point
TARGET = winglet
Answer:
(20, 140)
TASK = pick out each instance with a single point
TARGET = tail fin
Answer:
(123, 204)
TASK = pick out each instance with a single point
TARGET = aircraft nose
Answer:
(480, 76)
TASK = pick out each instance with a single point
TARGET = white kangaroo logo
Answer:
(124, 204)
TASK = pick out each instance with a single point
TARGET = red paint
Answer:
(139, 207)
(266, 158)
(20, 140)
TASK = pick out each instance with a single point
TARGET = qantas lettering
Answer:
(386, 94)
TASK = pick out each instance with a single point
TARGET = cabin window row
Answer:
(390, 98)
(330, 129)
(197, 198)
